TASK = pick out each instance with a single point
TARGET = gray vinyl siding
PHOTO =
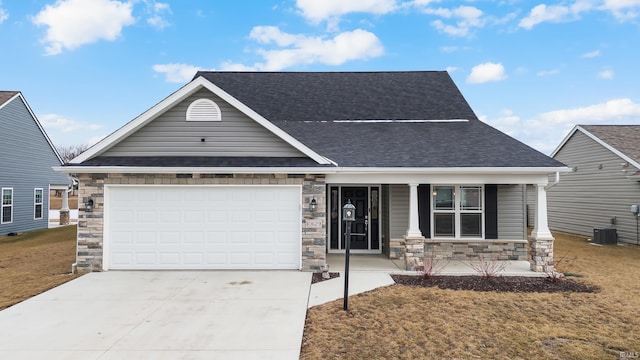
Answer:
(171, 135)
(595, 192)
(398, 210)
(511, 215)
(27, 161)
(531, 204)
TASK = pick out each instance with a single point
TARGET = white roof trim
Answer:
(599, 141)
(307, 170)
(180, 95)
(26, 104)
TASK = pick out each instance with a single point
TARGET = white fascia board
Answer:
(188, 170)
(355, 175)
(26, 104)
(608, 147)
(180, 95)
(564, 141)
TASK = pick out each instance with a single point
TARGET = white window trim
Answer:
(35, 203)
(457, 211)
(2, 206)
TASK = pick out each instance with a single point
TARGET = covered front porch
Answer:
(456, 218)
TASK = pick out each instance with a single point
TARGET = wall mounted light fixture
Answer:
(88, 205)
(313, 205)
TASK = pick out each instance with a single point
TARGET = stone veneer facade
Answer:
(412, 250)
(91, 224)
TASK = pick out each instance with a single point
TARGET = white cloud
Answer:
(301, 50)
(591, 54)
(4, 14)
(73, 23)
(62, 124)
(177, 73)
(317, 11)
(157, 19)
(468, 17)
(548, 72)
(451, 69)
(543, 13)
(615, 109)
(606, 74)
(545, 131)
(622, 10)
(487, 72)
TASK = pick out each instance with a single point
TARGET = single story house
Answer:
(26, 169)
(250, 170)
(604, 183)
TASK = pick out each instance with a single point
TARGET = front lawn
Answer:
(402, 322)
(35, 261)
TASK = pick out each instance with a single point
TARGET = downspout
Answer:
(74, 266)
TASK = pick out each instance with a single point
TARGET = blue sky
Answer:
(531, 69)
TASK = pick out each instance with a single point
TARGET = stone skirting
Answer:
(470, 250)
(91, 225)
(541, 255)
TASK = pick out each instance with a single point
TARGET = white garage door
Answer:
(202, 227)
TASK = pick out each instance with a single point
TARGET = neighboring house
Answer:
(246, 170)
(26, 168)
(603, 185)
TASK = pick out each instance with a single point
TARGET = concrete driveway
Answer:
(162, 315)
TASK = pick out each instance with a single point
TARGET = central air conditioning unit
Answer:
(605, 236)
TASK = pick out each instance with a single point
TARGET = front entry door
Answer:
(365, 229)
(359, 228)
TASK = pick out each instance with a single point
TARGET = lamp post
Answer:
(348, 216)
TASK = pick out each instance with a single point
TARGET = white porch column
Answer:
(541, 241)
(541, 224)
(414, 223)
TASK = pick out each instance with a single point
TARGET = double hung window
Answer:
(457, 211)
(7, 206)
(37, 203)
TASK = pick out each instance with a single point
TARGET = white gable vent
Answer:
(203, 110)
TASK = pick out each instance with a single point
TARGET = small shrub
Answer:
(431, 265)
(489, 267)
(561, 266)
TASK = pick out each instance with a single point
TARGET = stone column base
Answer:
(414, 251)
(64, 217)
(541, 255)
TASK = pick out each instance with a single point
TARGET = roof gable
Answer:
(622, 140)
(177, 97)
(8, 97)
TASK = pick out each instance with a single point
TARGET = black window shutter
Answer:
(424, 209)
(491, 211)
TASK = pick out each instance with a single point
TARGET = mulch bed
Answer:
(317, 277)
(504, 283)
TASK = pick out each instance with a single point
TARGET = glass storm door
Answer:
(365, 229)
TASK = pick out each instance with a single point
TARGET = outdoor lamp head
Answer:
(349, 211)
(88, 205)
(313, 205)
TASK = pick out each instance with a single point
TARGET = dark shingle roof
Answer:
(6, 95)
(198, 161)
(624, 138)
(322, 96)
(308, 104)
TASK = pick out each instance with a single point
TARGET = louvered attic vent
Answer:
(203, 110)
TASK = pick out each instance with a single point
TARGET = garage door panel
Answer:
(183, 227)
